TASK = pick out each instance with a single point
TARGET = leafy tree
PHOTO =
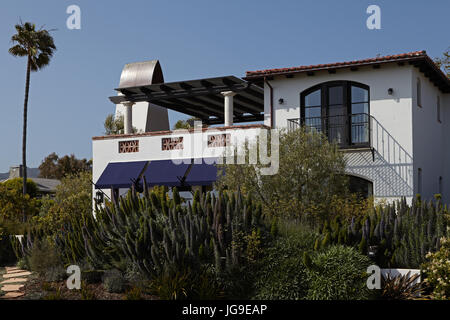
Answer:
(53, 167)
(48, 167)
(113, 125)
(15, 185)
(38, 47)
(444, 62)
(73, 198)
(311, 173)
(12, 200)
(186, 124)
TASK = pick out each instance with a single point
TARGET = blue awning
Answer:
(158, 172)
(167, 173)
(203, 174)
(120, 174)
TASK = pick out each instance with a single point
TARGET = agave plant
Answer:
(401, 287)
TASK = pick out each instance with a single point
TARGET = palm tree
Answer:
(38, 47)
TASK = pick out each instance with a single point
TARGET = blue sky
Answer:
(192, 39)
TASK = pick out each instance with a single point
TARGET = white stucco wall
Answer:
(147, 117)
(392, 170)
(445, 101)
(106, 150)
(430, 138)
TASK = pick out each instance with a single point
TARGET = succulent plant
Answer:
(401, 287)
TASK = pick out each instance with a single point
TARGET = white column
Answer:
(128, 117)
(228, 107)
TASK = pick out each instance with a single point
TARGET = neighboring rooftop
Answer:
(43, 185)
(418, 59)
(46, 185)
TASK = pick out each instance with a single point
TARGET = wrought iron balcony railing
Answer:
(348, 131)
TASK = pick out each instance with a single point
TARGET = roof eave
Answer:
(440, 76)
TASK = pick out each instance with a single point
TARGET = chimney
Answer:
(15, 172)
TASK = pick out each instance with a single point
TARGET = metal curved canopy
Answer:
(141, 74)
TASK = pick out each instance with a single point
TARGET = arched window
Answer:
(339, 109)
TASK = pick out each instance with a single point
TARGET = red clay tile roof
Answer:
(410, 56)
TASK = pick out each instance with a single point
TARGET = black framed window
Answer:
(438, 107)
(313, 109)
(419, 180)
(419, 93)
(339, 109)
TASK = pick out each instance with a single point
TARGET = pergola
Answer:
(213, 100)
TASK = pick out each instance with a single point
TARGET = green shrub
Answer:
(134, 276)
(113, 281)
(437, 271)
(338, 273)
(55, 273)
(283, 275)
(207, 287)
(186, 284)
(23, 264)
(44, 258)
(172, 285)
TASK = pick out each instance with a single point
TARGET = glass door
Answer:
(337, 127)
(313, 110)
(360, 115)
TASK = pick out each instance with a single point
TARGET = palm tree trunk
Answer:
(24, 135)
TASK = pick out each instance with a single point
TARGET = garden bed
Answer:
(38, 289)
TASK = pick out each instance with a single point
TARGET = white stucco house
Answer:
(390, 116)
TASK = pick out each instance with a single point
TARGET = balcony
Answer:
(348, 131)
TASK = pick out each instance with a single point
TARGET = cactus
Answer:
(403, 233)
(159, 234)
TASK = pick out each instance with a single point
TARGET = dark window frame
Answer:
(419, 92)
(347, 102)
(438, 109)
(419, 180)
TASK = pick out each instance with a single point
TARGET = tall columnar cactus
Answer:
(403, 234)
(23, 247)
(158, 234)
